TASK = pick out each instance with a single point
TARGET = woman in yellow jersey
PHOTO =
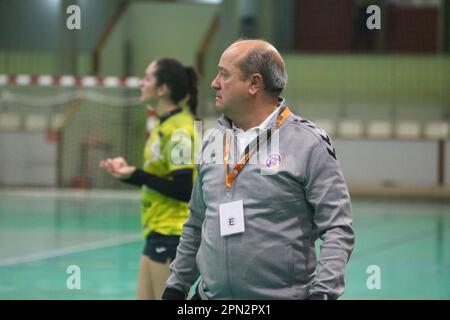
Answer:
(166, 181)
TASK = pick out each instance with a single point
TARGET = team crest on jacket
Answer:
(273, 161)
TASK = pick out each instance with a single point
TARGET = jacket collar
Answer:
(226, 122)
(167, 115)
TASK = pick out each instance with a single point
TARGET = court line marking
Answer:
(12, 261)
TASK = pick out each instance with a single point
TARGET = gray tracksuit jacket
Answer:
(285, 212)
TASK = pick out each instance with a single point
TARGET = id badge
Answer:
(231, 218)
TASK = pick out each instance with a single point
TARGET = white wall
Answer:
(390, 162)
(27, 159)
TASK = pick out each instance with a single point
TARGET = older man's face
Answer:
(231, 89)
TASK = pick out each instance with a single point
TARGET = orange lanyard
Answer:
(231, 176)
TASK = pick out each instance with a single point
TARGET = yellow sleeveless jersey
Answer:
(170, 147)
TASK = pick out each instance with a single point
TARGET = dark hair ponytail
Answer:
(182, 81)
(192, 89)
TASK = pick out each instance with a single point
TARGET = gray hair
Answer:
(269, 65)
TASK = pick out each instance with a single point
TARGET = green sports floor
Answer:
(407, 243)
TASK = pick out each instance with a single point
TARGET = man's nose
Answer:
(215, 84)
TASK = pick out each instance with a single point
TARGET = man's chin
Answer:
(219, 106)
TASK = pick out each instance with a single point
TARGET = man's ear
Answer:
(256, 83)
(162, 90)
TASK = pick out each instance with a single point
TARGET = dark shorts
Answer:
(161, 248)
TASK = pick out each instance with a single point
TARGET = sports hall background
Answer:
(382, 95)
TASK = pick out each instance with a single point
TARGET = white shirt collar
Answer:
(245, 137)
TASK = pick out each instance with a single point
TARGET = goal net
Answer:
(55, 130)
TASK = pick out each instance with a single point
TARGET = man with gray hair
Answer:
(251, 234)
